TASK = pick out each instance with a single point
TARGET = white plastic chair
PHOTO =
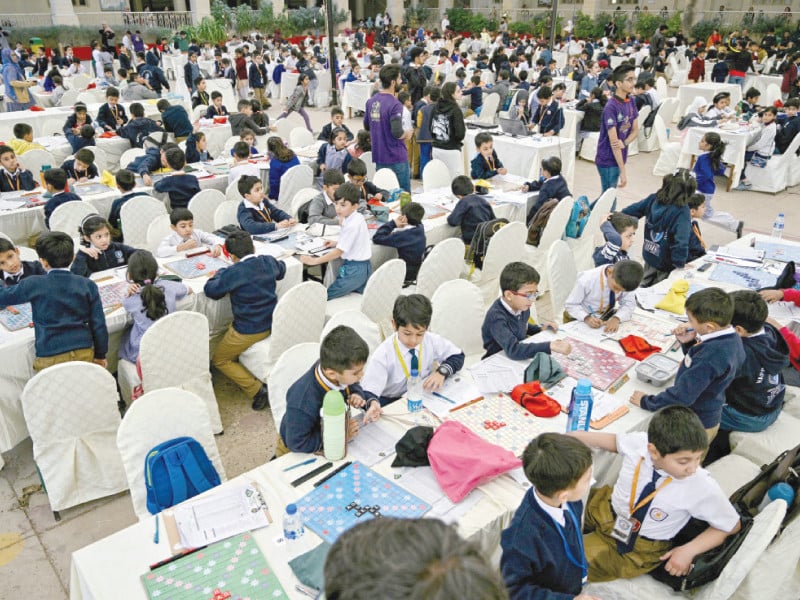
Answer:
(589, 146)
(670, 151)
(74, 438)
(33, 160)
(772, 94)
(129, 156)
(507, 245)
(444, 263)
(291, 365)
(774, 177)
(489, 108)
(462, 326)
(536, 256)
(633, 148)
(300, 198)
(68, 217)
(298, 317)
(562, 274)
(386, 179)
(136, 216)
(435, 175)
(367, 329)
(226, 214)
(232, 192)
(295, 179)
(583, 247)
(100, 158)
(157, 231)
(300, 137)
(203, 206)
(371, 168)
(157, 417)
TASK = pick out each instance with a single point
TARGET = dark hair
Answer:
(448, 92)
(241, 150)
(6, 150)
(162, 105)
(125, 179)
(336, 131)
(750, 310)
(770, 109)
(677, 187)
(695, 201)
(332, 177)
(85, 155)
(552, 164)
(544, 93)
(462, 186)
(56, 247)
(79, 107)
(792, 102)
(559, 86)
(403, 96)
(216, 94)
(278, 149)
(246, 182)
(720, 96)
(197, 81)
(143, 270)
(620, 221)
(137, 110)
(752, 93)
(21, 130)
(388, 74)
(628, 274)
(413, 212)
(180, 214)
(676, 429)
(92, 224)
(414, 310)
(239, 243)
(516, 274)
(554, 462)
(717, 149)
(87, 132)
(357, 168)
(342, 349)
(243, 103)
(176, 159)
(6, 245)
(336, 111)
(711, 305)
(245, 132)
(57, 178)
(348, 192)
(482, 138)
(112, 92)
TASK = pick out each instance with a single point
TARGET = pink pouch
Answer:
(462, 461)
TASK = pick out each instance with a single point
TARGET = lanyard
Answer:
(490, 161)
(265, 215)
(650, 496)
(13, 182)
(116, 111)
(582, 565)
(402, 361)
(696, 231)
(324, 385)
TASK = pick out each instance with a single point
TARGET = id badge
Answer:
(624, 528)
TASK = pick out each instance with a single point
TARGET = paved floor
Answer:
(35, 550)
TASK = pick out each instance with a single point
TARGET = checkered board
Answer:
(20, 317)
(196, 266)
(352, 495)
(600, 366)
(752, 279)
(112, 294)
(655, 331)
(236, 566)
(500, 421)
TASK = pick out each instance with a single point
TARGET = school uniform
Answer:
(29, 268)
(240, 121)
(321, 209)
(592, 295)
(388, 369)
(107, 116)
(675, 502)
(257, 79)
(276, 170)
(193, 155)
(610, 252)
(181, 188)
(482, 168)
(55, 201)
(114, 215)
(356, 247)
(72, 173)
(705, 373)
(133, 305)
(77, 142)
(176, 120)
(549, 117)
(116, 255)
(259, 219)
(169, 245)
(409, 242)
(470, 211)
(541, 547)
(553, 187)
(697, 245)
(18, 181)
(325, 134)
(332, 158)
(216, 111)
(504, 329)
(137, 130)
(251, 285)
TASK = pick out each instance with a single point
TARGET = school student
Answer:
(175, 119)
(14, 177)
(78, 128)
(550, 185)
(603, 296)
(322, 207)
(258, 77)
(111, 115)
(486, 164)
(197, 148)
(471, 209)
(255, 214)
(185, 237)
(618, 231)
(707, 166)
(357, 174)
(697, 208)
(12, 268)
(55, 181)
(334, 154)
(282, 158)
(244, 119)
(200, 96)
(97, 251)
(126, 181)
(337, 120)
(23, 139)
(763, 146)
(216, 108)
(181, 187)
(407, 234)
(81, 167)
(548, 118)
(241, 163)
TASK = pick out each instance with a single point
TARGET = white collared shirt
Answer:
(588, 295)
(715, 334)
(516, 313)
(354, 240)
(555, 513)
(325, 380)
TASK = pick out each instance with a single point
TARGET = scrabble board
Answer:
(778, 251)
(352, 495)
(234, 568)
(600, 366)
(196, 266)
(19, 316)
(112, 294)
(752, 279)
(501, 421)
(655, 331)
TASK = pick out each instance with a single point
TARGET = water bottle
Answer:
(292, 524)
(580, 406)
(414, 392)
(777, 227)
(779, 491)
(334, 425)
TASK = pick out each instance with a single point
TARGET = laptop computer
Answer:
(515, 127)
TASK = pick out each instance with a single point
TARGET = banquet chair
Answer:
(70, 96)
(589, 146)
(300, 137)
(386, 179)
(648, 138)
(633, 148)
(774, 176)
(435, 175)
(101, 159)
(489, 109)
(158, 229)
(661, 87)
(591, 237)
(667, 108)
(365, 327)
(199, 111)
(444, 263)
(72, 415)
(505, 246)
(300, 198)
(670, 152)
(68, 217)
(562, 275)
(462, 326)
(323, 93)
(284, 126)
(129, 156)
(136, 216)
(155, 418)
(298, 317)
(203, 205)
(33, 160)
(228, 146)
(371, 168)
(225, 214)
(536, 256)
(232, 191)
(291, 365)
(635, 251)
(293, 180)
(772, 93)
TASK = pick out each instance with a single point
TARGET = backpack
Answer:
(177, 470)
(539, 221)
(480, 241)
(647, 126)
(578, 217)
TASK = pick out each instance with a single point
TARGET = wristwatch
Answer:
(443, 371)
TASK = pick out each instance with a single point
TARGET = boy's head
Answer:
(519, 285)
(137, 110)
(697, 205)
(676, 441)
(462, 186)
(200, 84)
(750, 312)
(9, 257)
(80, 110)
(484, 143)
(342, 355)
(163, 153)
(331, 180)
(551, 166)
(241, 150)
(55, 249)
(245, 107)
(625, 226)
(182, 222)
(239, 244)
(544, 94)
(346, 198)
(23, 131)
(792, 105)
(126, 180)
(411, 317)
(413, 212)
(337, 116)
(112, 96)
(251, 188)
(752, 95)
(625, 276)
(216, 98)
(55, 180)
(87, 132)
(176, 159)
(357, 170)
(558, 466)
(162, 105)
(8, 159)
(709, 310)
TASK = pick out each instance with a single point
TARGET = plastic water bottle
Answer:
(414, 392)
(580, 406)
(334, 425)
(292, 524)
(779, 491)
(777, 227)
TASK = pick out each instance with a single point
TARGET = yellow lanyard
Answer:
(116, 112)
(696, 231)
(650, 496)
(13, 182)
(265, 215)
(490, 162)
(602, 291)
(325, 386)
(402, 360)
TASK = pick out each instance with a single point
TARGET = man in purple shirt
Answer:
(618, 128)
(383, 118)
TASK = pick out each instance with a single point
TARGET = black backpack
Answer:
(480, 241)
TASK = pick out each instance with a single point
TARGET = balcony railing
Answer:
(125, 20)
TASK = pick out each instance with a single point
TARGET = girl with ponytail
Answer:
(709, 164)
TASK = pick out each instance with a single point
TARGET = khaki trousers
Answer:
(225, 358)
(82, 354)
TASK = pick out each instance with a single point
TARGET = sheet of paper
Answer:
(457, 391)
(373, 443)
(11, 204)
(783, 311)
(421, 482)
(273, 250)
(497, 373)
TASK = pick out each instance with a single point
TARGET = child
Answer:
(258, 77)
(80, 168)
(149, 298)
(708, 368)
(720, 108)
(708, 165)
(250, 281)
(548, 118)
(185, 237)
(667, 226)
(362, 144)
(334, 155)
(58, 90)
(216, 108)
(282, 158)
(180, 186)
(697, 208)
(55, 181)
(256, 215)
(298, 99)
(697, 70)
(789, 129)
(550, 185)
(260, 117)
(342, 356)
(602, 296)
(618, 230)
(412, 347)
(139, 127)
(543, 546)
(23, 139)
(322, 208)
(175, 119)
(78, 128)
(406, 233)
(661, 474)
(126, 181)
(200, 97)
(248, 136)
(111, 115)
(763, 146)
(474, 90)
(97, 251)
(353, 246)
(241, 163)
(14, 177)
(471, 209)
(507, 322)
(244, 120)
(357, 174)
(424, 135)
(68, 318)
(749, 106)
(337, 120)
(13, 269)
(197, 148)
(486, 164)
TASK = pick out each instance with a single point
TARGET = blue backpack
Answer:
(177, 470)
(578, 217)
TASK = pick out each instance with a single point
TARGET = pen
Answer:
(155, 536)
(300, 464)
(341, 467)
(443, 397)
(311, 474)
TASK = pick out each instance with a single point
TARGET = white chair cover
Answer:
(633, 149)
(647, 140)
(155, 418)
(323, 94)
(129, 156)
(670, 151)
(33, 160)
(732, 471)
(774, 177)
(562, 275)
(136, 216)
(462, 326)
(289, 368)
(635, 252)
(284, 126)
(536, 256)
(226, 214)
(157, 231)
(661, 87)
(228, 146)
(589, 146)
(772, 94)
(295, 179)
(188, 369)
(435, 175)
(667, 109)
(444, 263)
(68, 217)
(763, 447)
(203, 206)
(199, 111)
(583, 247)
(300, 198)
(70, 96)
(300, 137)
(489, 108)
(232, 192)
(386, 179)
(128, 379)
(72, 416)
(101, 159)
(454, 159)
(367, 329)
(371, 168)
(507, 245)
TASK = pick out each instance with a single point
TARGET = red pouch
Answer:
(637, 347)
(532, 398)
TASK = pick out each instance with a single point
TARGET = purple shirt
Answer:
(378, 114)
(129, 347)
(621, 116)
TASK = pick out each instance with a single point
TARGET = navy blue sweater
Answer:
(106, 118)
(55, 201)
(73, 173)
(253, 222)
(470, 212)
(22, 180)
(116, 255)
(534, 563)
(701, 384)
(29, 269)
(549, 117)
(213, 111)
(666, 232)
(503, 331)
(181, 188)
(193, 155)
(479, 168)
(176, 120)
(410, 244)
(67, 312)
(136, 130)
(251, 284)
(555, 187)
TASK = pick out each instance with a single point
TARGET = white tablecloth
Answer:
(356, 94)
(687, 93)
(737, 142)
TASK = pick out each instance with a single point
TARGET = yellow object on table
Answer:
(675, 300)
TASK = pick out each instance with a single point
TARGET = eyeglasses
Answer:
(533, 296)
